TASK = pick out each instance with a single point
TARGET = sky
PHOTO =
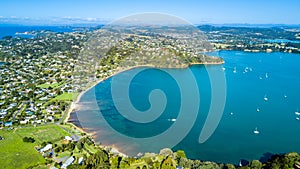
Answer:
(194, 11)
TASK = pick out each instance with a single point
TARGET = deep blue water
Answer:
(11, 30)
(234, 138)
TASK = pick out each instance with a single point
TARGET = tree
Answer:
(79, 145)
(167, 163)
(28, 139)
(57, 149)
(98, 160)
(255, 164)
(166, 152)
(30, 94)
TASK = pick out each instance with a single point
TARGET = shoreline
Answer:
(74, 103)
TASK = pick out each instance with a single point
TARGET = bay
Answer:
(250, 77)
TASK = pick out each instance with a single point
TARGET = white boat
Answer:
(173, 120)
(260, 77)
(297, 113)
(223, 68)
(256, 131)
(246, 70)
(234, 70)
(257, 109)
(297, 118)
(267, 75)
(265, 98)
(285, 96)
(231, 113)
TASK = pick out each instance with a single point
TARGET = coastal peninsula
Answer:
(37, 90)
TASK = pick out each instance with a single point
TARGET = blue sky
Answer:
(195, 11)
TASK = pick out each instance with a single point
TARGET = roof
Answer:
(75, 137)
(68, 138)
(80, 160)
(46, 148)
(8, 124)
(68, 162)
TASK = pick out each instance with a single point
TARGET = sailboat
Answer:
(297, 112)
(256, 131)
(246, 70)
(265, 98)
(234, 70)
(173, 120)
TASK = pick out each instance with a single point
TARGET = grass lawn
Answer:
(17, 154)
(42, 133)
(14, 153)
(45, 86)
(66, 96)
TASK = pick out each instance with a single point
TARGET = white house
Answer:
(68, 138)
(68, 162)
(46, 148)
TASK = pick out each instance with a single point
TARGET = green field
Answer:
(14, 153)
(66, 96)
(48, 85)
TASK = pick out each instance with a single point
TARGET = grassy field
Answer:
(45, 86)
(66, 96)
(14, 153)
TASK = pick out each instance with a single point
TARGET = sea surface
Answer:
(19, 30)
(250, 78)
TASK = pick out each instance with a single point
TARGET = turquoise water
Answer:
(274, 75)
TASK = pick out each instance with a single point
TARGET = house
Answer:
(68, 162)
(80, 160)
(46, 148)
(75, 137)
(8, 124)
(68, 138)
(24, 121)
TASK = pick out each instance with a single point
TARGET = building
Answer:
(68, 162)
(46, 148)
(8, 124)
(68, 138)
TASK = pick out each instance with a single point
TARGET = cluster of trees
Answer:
(167, 159)
(29, 139)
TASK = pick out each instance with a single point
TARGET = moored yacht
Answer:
(256, 131)
(234, 70)
(266, 98)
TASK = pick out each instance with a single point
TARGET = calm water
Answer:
(274, 75)
(11, 30)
